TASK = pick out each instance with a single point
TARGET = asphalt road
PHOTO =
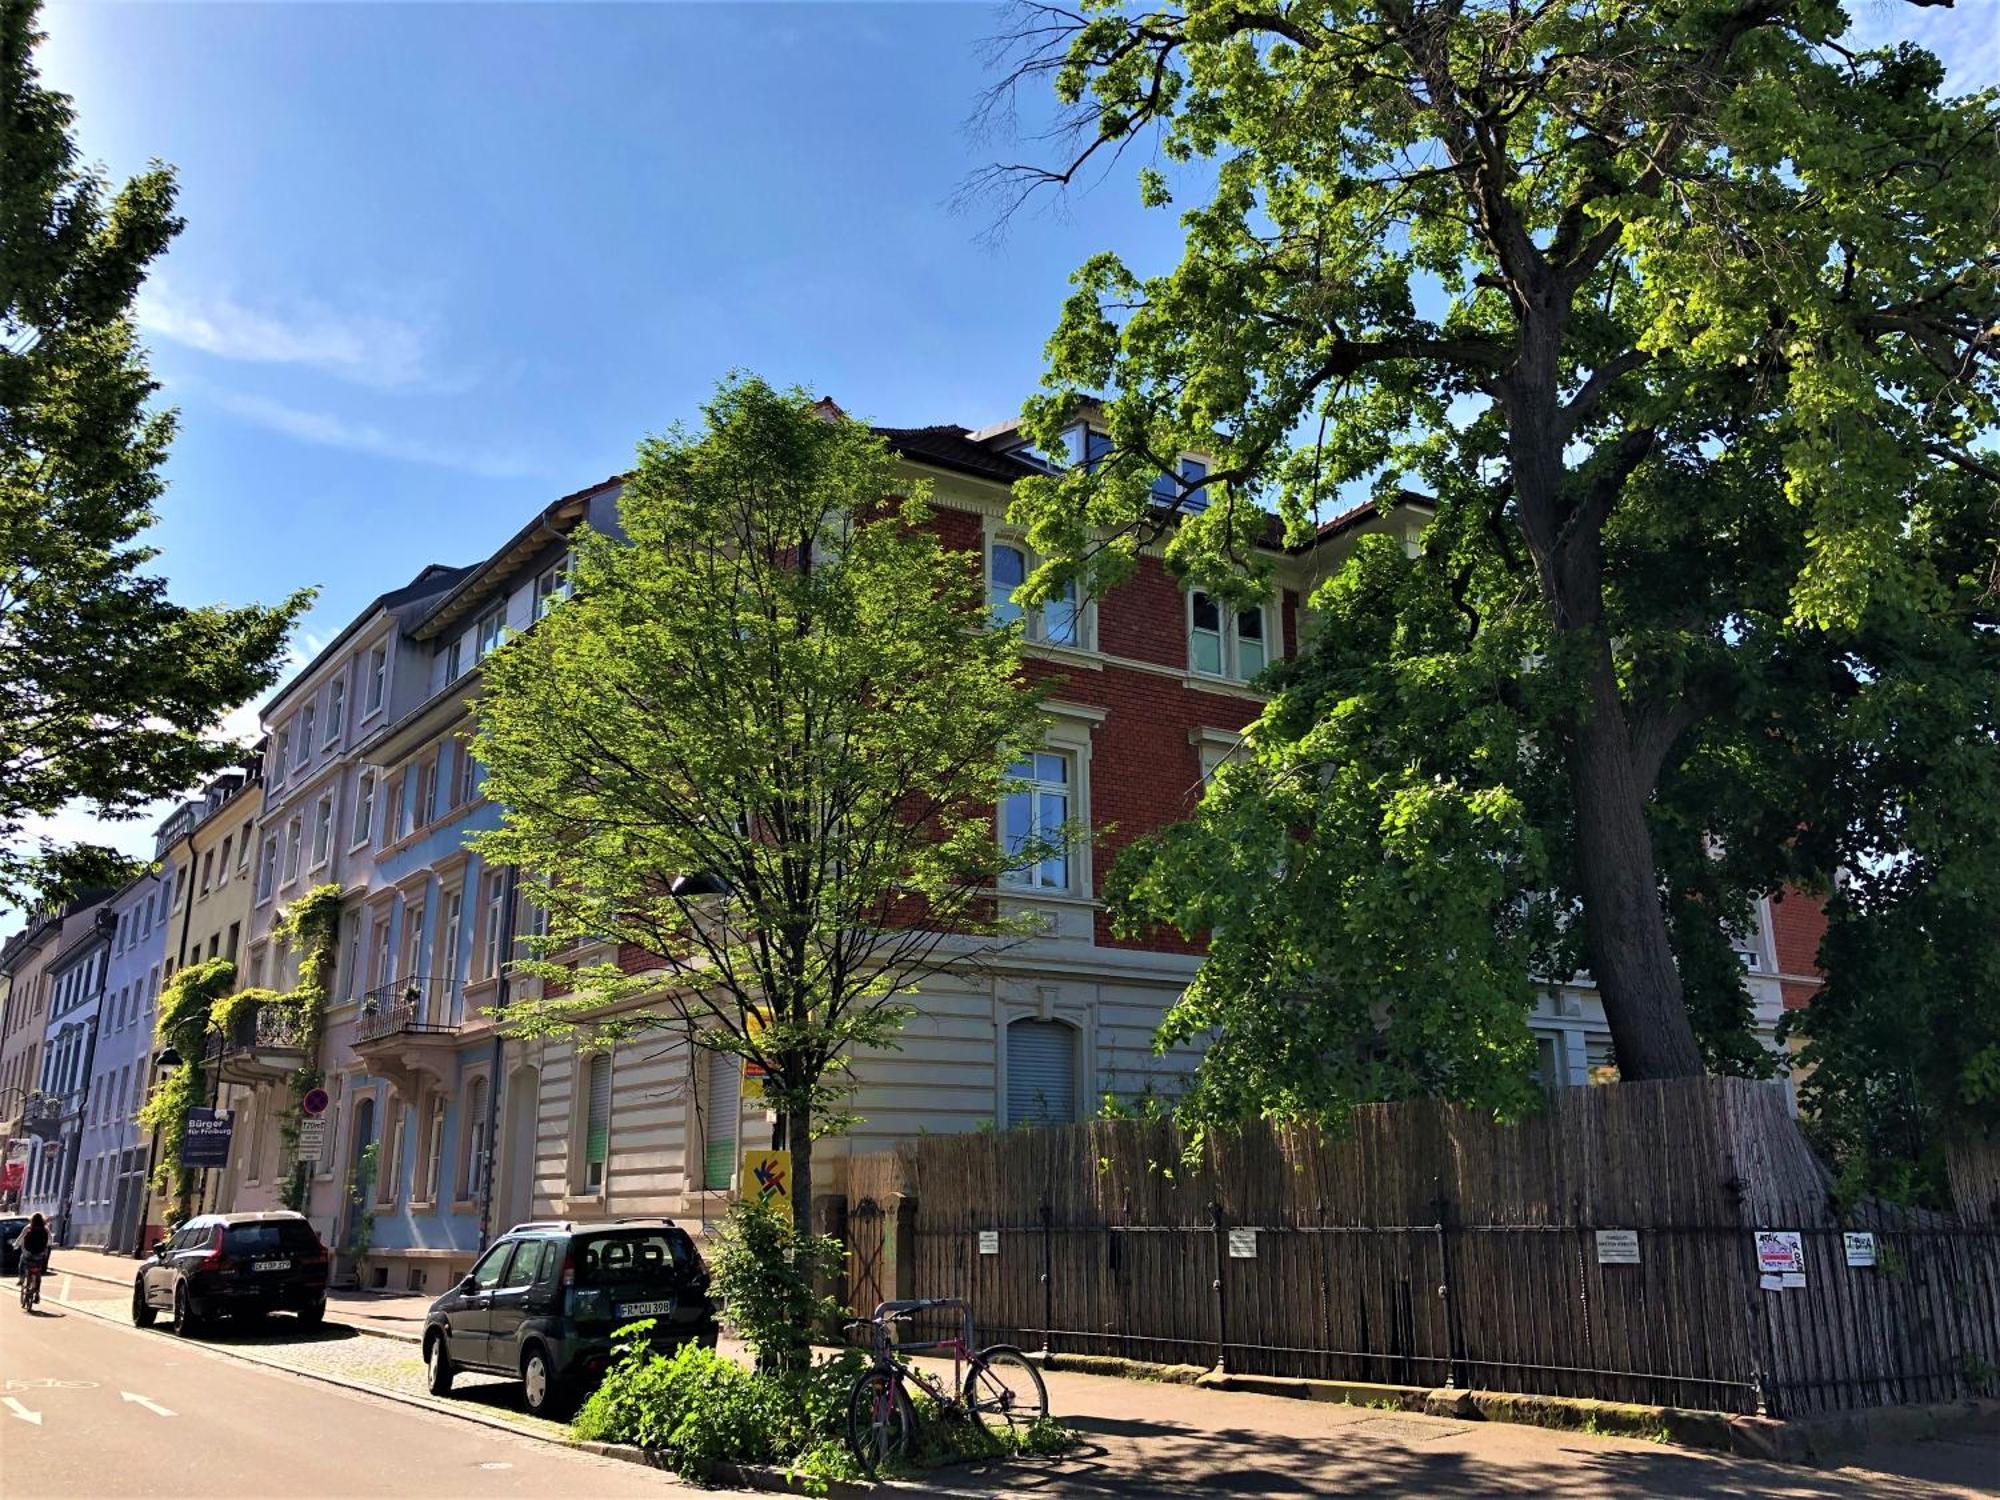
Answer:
(94, 1409)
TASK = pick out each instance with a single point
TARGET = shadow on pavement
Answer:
(278, 1330)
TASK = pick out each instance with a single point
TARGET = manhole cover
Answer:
(1411, 1429)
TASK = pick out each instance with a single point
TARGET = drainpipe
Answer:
(494, 1075)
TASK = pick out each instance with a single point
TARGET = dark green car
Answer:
(546, 1300)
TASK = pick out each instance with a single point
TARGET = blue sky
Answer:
(445, 262)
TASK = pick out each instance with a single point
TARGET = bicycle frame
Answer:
(959, 1343)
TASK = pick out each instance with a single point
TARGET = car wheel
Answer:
(544, 1392)
(438, 1366)
(143, 1312)
(187, 1322)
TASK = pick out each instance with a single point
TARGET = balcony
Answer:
(263, 1047)
(405, 1032)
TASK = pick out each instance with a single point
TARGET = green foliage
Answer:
(1667, 325)
(700, 1409)
(764, 1272)
(361, 1181)
(770, 680)
(187, 1001)
(109, 690)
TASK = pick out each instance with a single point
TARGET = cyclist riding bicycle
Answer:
(34, 1249)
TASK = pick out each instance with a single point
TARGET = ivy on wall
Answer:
(202, 998)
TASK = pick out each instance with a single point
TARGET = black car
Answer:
(10, 1243)
(546, 1300)
(235, 1265)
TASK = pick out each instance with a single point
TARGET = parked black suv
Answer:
(242, 1265)
(545, 1301)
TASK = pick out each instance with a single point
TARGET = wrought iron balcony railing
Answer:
(418, 1003)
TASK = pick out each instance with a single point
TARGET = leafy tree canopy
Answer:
(109, 691)
(1681, 316)
(773, 681)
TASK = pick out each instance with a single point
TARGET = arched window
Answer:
(472, 1142)
(1041, 1072)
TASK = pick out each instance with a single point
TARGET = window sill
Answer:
(1075, 656)
(423, 1205)
(1230, 687)
(465, 1205)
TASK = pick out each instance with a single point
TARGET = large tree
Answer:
(1681, 314)
(110, 692)
(763, 743)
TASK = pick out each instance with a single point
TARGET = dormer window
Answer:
(1055, 622)
(1193, 471)
(491, 627)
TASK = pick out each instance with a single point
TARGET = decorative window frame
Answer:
(1071, 1003)
(1070, 731)
(1274, 645)
(995, 532)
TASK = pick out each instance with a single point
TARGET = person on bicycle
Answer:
(34, 1248)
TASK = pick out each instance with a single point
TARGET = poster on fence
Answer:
(1781, 1259)
(1242, 1244)
(1860, 1247)
(1618, 1247)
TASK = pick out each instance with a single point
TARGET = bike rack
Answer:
(887, 1312)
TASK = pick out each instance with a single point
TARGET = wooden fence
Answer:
(1607, 1248)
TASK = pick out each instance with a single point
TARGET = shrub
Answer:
(764, 1272)
(695, 1406)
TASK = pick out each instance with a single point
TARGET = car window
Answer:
(276, 1237)
(487, 1273)
(628, 1256)
(522, 1270)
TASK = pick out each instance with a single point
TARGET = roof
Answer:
(457, 602)
(950, 446)
(429, 579)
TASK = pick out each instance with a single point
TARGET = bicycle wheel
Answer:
(1004, 1391)
(881, 1422)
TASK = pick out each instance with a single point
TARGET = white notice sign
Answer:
(1242, 1244)
(312, 1138)
(1781, 1252)
(989, 1242)
(1618, 1247)
(1860, 1246)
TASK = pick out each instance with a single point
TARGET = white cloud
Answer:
(329, 431)
(364, 348)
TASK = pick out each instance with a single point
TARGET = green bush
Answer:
(764, 1272)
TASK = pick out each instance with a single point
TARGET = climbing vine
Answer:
(202, 998)
(187, 1003)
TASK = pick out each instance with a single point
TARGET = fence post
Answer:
(1453, 1335)
(1221, 1222)
(1048, 1275)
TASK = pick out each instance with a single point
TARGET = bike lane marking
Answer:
(146, 1401)
(13, 1404)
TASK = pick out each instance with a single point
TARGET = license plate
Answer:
(270, 1265)
(644, 1309)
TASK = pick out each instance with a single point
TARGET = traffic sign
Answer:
(314, 1103)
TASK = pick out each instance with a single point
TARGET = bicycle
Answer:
(1000, 1389)
(31, 1284)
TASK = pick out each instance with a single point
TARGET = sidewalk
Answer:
(396, 1315)
(1144, 1439)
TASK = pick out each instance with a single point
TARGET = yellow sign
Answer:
(754, 1072)
(767, 1179)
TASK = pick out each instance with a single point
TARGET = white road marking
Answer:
(13, 1404)
(151, 1405)
(50, 1383)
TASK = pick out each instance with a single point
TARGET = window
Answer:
(305, 740)
(472, 1141)
(322, 844)
(1041, 1073)
(487, 634)
(1032, 813)
(378, 678)
(336, 708)
(486, 1274)
(1224, 642)
(281, 754)
(379, 974)
(267, 869)
(427, 793)
(725, 1109)
(1193, 471)
(235, 937)
(146, 920)
(454, 661)
(1549, 1070)
(1056, 622)
(433, 1161)
(242, 854)
(452, 908)
(597, 1123)
(552, 586)
(465, 775)
(350, 953)
(222, 866)
(364, 809)
(413, 941)
(492, 922)
(294, 839)
(399, 1143)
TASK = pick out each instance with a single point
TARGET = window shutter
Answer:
(1041, 1073)
(597, 1140)
(725, 1108)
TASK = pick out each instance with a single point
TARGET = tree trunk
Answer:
(1631, 956)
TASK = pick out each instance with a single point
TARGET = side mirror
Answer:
(469, 1284)
(159, 1247)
